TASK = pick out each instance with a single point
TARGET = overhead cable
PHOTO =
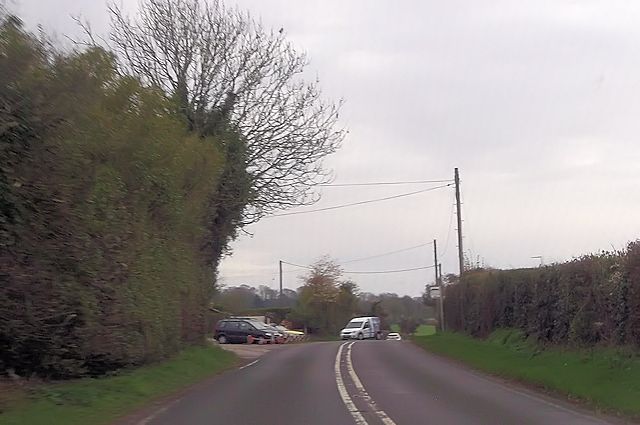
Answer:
(387, 253)
(361, 202)
(367, 271)
(384, 183)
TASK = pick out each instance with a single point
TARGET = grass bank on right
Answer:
(605, 379)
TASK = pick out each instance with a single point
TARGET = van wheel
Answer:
(222, 339)
(360, 336)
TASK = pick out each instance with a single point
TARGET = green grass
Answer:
(100, 401)
(606, 379)
(423, 330)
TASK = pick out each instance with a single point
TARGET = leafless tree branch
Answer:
(217, 60)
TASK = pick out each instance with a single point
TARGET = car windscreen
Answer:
(259, 325)
(354, 324)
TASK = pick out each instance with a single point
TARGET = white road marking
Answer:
(250, 364)
(364, 394)
(148, 419)
(353, 410)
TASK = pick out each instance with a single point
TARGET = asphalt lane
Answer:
(415, 387)
(292, 385)
(364, 383)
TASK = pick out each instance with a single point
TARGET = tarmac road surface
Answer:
(363, 383)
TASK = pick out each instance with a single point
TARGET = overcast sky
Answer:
(537, 102)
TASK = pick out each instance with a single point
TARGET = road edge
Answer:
(531, 390)
(145, 413)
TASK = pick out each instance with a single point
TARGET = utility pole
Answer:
(435, 259)
(441, 297)
(280, 264)
(458, 210)
(438, 268)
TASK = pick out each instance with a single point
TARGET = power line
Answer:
(384, 183)
(390, 271)
(266, 274)
(451, 214)
(297, 265)
(272, 275)
(367, 271)
(386, 253)
(361, 202)
(242, 276)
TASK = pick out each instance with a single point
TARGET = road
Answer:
(363, 383)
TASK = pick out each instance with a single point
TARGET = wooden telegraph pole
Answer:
(441, 290)
(438, 268)
(280, 264)
(459, 214)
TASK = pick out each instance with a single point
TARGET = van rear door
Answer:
(366, 329)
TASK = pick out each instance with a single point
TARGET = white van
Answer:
(362, 328)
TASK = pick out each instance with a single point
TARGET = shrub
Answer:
(590, 300)
(113, 215)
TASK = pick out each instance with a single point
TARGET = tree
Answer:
(225, 69)
(267, 293)
(238, 298)
(450, 279)
(378, 310)
(325, 301)
(427, 299)
(391, 308)
(408, 325)
(347, 302)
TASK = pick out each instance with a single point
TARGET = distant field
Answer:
(603, 378)
(100, 401)
(423, 330)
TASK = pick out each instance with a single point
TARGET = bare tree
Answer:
(224, 68)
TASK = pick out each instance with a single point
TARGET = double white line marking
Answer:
(362, 392)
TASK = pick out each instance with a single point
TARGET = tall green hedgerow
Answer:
(113, 214)
(592, 300)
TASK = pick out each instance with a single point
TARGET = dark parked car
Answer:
(238, 330)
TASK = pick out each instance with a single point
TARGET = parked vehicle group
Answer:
(252, 330)
(249, 330)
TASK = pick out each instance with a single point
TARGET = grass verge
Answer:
(102, 400)
(422, 330)
(605, 379)
(425, 330)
